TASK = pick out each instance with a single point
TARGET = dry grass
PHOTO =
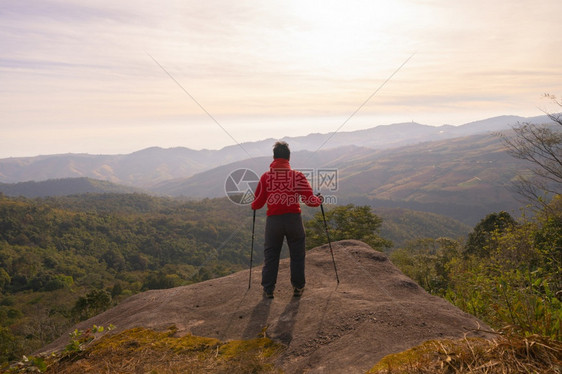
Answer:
(141, 350)
(506, 354)
(145, 351)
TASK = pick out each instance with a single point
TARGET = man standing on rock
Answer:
(282, 189)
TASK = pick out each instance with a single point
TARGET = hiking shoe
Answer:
(297, 292)
(268, 295)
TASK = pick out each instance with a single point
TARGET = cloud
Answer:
(84, 65)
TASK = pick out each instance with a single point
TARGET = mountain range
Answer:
(63, 187)
(151, 166)
(464, 178)
(462, 171)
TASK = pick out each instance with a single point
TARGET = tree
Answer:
(346, 222)
(116, 290)
(114, 259)
(426, 261)
(479, 239)
(93, 303)
(548, 242)
(541, 145)
(10, 347)
(518, 283)
(160, 280)
(5, 279)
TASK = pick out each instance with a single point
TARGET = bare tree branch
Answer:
(541, 146)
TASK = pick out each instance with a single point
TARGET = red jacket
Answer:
(282, 189)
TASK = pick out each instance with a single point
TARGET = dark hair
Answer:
(281, 150)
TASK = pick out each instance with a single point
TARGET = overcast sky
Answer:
(78, 76)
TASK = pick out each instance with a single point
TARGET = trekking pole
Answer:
(252, 250)
(329, 242)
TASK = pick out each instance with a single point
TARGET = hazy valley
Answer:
(462, 172)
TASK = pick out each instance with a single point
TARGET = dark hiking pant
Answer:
(278, 227)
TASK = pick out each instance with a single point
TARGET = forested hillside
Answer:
(403, 225)
(63, 259)
(66, 259)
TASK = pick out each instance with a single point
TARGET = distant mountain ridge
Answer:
(464, 178)
(63, 187)
(152, 166)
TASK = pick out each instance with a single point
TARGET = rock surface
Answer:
(374, 311)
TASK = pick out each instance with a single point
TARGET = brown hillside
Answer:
(375, 310)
